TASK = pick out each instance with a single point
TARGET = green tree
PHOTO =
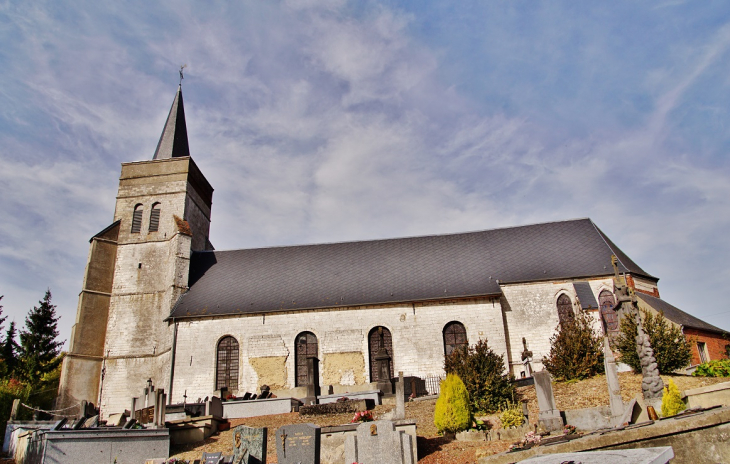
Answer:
(9, 352)
(671, 349)
(452, 412)
(39, 348)
(484, 374)
(576, 350)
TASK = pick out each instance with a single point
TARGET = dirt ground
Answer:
(433, 449)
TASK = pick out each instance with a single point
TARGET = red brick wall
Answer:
(715, 344)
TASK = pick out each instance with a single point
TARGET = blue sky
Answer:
(332, 120)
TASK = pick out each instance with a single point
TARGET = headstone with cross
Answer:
(298, 443)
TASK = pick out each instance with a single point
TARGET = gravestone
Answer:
(313, 378)
(249, 445)
(212, 458)
(298, 443)
(614, 388)
(379, 443)
(400, 394)
(549, 417)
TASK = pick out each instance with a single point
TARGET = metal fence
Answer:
(433, 385)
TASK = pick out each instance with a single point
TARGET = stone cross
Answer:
(526, 358)
(627, 305)
(400, 394)
(614, 388)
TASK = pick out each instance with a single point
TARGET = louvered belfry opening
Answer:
(565, 309)
(306, 347)
(374, 341)
(609, 318)
(137, 219)
(227, 364)
(155, 218)
(454, 337)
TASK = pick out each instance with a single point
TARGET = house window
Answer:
(565, 309)
(306, 347)
(702, 348)
(454, 337)
(608, 315)
(155, 218)
(227, 364)
(137, 219)
(380, 337)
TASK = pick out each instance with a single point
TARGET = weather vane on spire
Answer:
(181, 72)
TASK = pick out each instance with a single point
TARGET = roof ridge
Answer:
(451, 234)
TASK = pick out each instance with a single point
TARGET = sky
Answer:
(334, 120)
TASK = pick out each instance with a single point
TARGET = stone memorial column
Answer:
(549, 417)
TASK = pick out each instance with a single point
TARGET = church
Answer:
(159, 302)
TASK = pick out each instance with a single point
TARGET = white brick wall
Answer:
(417, 339)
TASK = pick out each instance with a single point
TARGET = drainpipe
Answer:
(172, 361)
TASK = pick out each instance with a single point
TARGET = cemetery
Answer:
(152, 431)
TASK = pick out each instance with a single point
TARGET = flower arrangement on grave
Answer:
(230, 396)
(363, 416)
(343, 399)
(176, 461)
(569, 430)
(412, 396)
(531, 439)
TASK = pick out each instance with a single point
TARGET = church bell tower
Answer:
(137, 269)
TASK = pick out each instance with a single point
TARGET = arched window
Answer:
(227, 364)
(454, 337)
(137, 219)
(608, 315)
(155, 218)
(306, 347)
(565, 309)
(378, 338)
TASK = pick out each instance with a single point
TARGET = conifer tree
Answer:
(38, 346)
(671, 348)
(9, 352)
(575, 350)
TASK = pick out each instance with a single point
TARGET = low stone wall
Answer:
(374, 395)
(14, 428)
(97, 445)
(251, 408)
(706, 397)
(697, 439)
(340, 407)
(589, 419)
(332, 444)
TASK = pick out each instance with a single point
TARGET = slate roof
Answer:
(433, 267)
(585, 295)
(676, 315)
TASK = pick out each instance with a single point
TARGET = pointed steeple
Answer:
(174, 139)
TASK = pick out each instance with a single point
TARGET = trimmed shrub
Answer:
(484, 374)
(512, 416)
(717, 368)
(671, 348)
(452, 412)
(576, 350)
(672, 403)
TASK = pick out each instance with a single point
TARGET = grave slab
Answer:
(249, 445)
(298, 444)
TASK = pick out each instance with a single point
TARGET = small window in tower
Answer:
(137, 219)
(155, 218)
